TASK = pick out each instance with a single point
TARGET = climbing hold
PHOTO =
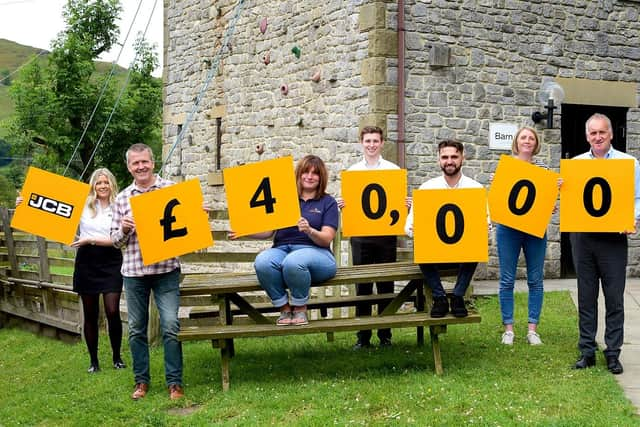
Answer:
(316, 76)
(296, 51)
(266, 59)
(260, 148)
(284, 89)
(263, 25)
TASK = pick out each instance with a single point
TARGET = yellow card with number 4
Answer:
(262, 196)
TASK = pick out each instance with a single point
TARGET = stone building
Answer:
(423, 70)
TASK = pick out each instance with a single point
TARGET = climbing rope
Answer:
(213, 71)
(104, 88)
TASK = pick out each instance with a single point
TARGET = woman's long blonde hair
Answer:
(113, 185)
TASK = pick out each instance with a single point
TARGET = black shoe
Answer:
(360, 345)
(119, 364)
(93, 368)
(585, 362)
(458, 308)
(440, 307)
(613, 365)
(385, 342)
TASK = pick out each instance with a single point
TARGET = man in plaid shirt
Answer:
(139, 280)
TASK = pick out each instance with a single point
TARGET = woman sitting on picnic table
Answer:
(300, 254)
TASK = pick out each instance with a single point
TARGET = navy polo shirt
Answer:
(320, 212)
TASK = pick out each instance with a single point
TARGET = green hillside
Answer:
(13, 55)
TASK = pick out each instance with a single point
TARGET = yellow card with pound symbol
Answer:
(171, 221)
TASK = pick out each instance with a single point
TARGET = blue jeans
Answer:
(510, 241)
(294, 267)
(432, 277)
(166, 294)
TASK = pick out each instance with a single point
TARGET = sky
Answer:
(37, 22)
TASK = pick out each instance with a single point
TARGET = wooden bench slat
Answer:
(244, 282)
(314, 303)
(321, 326)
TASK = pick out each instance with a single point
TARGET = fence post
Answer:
(8, 235)
(13, 256)
(44, 274)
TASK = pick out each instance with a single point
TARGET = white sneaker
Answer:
(533, 338)
(507, 338)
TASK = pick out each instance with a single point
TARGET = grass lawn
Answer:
(305, 381)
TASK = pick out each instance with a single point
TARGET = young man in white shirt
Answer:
(372, 249)
(450, 158)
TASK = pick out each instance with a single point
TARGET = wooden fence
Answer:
(36, 278)
(35, 281)
(36, 275)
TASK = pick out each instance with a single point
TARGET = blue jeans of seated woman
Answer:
(510, 242)
(294, 267)
(165, 289)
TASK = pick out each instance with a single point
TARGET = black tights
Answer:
(91, 306)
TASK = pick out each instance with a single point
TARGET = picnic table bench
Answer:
(238, 317)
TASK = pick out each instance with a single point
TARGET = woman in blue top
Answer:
(301, 254)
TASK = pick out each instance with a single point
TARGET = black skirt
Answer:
(97, 270)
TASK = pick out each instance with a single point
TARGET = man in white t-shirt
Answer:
(372, 249)
(450, 158)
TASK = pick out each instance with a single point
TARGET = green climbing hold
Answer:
(296, 51)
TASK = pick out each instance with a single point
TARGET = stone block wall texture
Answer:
(500, 53)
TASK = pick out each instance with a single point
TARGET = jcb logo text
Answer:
(50, 205)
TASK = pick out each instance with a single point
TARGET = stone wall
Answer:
(468, 63)
(500, 52)
(260, 121)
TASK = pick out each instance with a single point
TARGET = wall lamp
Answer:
(551, 94)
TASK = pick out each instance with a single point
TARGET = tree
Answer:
(7, 192)
(53, 121)
(5, 153)
(5, 77)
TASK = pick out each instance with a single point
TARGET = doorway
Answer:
(574, 142)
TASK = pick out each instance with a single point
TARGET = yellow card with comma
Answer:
(597, 195)
(375, 202)
(522, 195)
(52, 205)
(450, 226)
(262, 196)
(171, 221)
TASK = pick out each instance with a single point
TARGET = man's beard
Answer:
(451, 173)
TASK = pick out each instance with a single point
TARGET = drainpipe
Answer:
(400, 144)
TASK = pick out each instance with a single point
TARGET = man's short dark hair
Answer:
(451, 143)
(371, 129)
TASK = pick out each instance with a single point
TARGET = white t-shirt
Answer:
(382, 164)
(98, 226)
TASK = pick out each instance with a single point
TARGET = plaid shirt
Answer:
(132, 257)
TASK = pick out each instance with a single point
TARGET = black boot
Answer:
(440, 307)
(458, 308)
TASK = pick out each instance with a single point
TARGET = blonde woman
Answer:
(511, 242)
(97, 267)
